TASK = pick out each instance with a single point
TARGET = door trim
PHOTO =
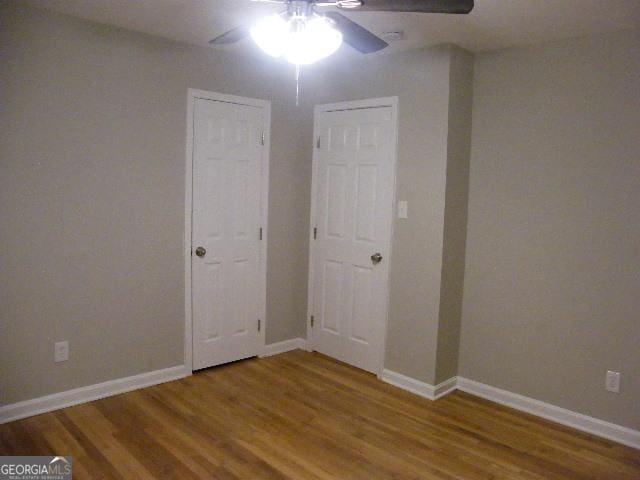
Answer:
(391, 102)
(265, 105)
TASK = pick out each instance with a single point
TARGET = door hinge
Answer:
(262, 139)
(260, 233)
(259, 324)
(315, 233)
(312, 321)
(318, 142)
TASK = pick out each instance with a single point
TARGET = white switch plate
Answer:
(612, 381)
(61, 351)
(403, 209)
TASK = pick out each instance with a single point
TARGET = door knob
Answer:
(201, 252)
(376, 258)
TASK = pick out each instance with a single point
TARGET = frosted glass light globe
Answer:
(300, 40)
(271, 34)
(317, 40)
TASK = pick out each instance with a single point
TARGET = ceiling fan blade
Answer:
(232, 36)
(420, 6)
(358, 37)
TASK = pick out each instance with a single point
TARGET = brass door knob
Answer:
(376, 258)
(201, 251)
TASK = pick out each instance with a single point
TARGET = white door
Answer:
(226, 231)
(354, 170)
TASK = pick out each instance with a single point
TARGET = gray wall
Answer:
(92, 197)
(552, 282)
(455, 213)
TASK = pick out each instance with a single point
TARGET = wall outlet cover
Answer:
(61, 351)
(403, 209)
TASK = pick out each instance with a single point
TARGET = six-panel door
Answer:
(354, 188)
(226, 214)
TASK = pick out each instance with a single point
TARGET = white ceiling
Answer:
(493, 24)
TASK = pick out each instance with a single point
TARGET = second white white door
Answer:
(354, 172)
(227, 268)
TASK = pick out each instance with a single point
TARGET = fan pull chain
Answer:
(297, 85)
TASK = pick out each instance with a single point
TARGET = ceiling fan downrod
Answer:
(300, 8)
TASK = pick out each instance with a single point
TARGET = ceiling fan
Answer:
(302, 35)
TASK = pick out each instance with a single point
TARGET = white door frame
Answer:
(391, 102)
(265, 105)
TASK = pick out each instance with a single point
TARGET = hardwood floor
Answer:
(305, 416)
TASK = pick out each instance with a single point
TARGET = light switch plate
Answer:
(612, 382)
(403, 209)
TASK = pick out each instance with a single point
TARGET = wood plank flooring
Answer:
(301, 415)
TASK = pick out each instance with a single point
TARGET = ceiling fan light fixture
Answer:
(300, 40)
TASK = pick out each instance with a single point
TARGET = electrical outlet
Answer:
(61, 351)
(612, 381)
(403, 209)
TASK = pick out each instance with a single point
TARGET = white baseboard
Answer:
(579, 421)
(595, 426)
(445, 387)
(585, 423)
(284, 346)
(426, 390)
(56, 401)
